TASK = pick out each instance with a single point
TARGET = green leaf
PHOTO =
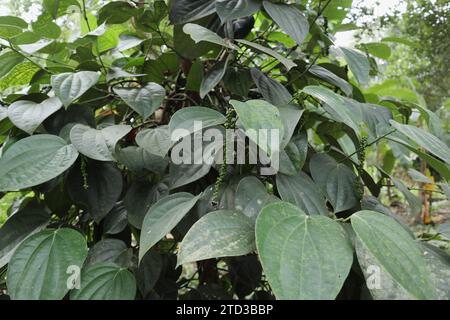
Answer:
(97, 191)
(395, 252)
(20, 75)
(11, 26)
(105, 282)
(233, 9)
(290, 20)
(252, 196)
(218, 234)
(260, 115)
(271, 90)
(139, 160)
(115, 12)
(342, 109)
(330, 77)
(8, 61)
(303, 192)
(415, 203)
(156, 140)
(116, 220)
(3, 113)
(162, 217)
(358, 63)
(336, 180)
(97, 144)
(424, 139)
(108, 250)
(199, 33)
(213, 77)
(149, 271)
(293, 157)
(144, 101)
(303, 257)
(17, 228)
(70, 86)
(28, 115)
(289, 64)
(378, 49)
(290, 115)
(38, 268)
(183, 121)
(35, 160)
(183, 11)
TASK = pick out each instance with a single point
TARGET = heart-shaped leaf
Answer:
(70, 86)
(156, 140)
(35, 160)
(143, 100)
(234, 9)
(218, 234)
(38, 269)
(28, 115)
(97, 144)
(303, 257)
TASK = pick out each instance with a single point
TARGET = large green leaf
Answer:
(290, 20)
(234, 9)
(3, 113)
(303, 257)
(149, 271)
(183, 121)
(28, 115)
(97, 191)
(293, 157)
(144, 100)
(97, 144)
(332, 78)
(70, 86)
(303, 192)
(109, 250)
(35, 160)
(156, 140)
(17, 228)
(358, 63)
(336, 180)
(424, 139)
(162, 217)
(105, 282)
(258, 115)
(270, 89)
(252, 196)
(289, 64)
(342, 109)
(139, 160)
(199, 33)
(218, 234)
(395, 252)
(183, 11)
(38, 269)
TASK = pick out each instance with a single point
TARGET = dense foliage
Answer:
(91, 96)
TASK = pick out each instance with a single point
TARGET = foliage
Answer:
(103, 211)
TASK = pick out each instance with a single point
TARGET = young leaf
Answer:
(290, 20)
(199, 33)
(37, 270)
(105, 282)
(395, 252)
(28, 115)
(303, 257)
(162, 217)
(70, 86)
(35, 160)
(97, 144)
(218, 234)
(144, 100)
